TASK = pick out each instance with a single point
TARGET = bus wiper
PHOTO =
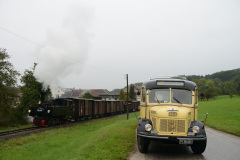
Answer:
(177, 100)
(156, 97)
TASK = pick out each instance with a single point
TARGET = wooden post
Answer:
(127, 96)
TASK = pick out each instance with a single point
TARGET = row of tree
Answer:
(220, 83)
(209, 86)
(131, 94)
(30, 93)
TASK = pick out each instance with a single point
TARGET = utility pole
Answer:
(127, 95)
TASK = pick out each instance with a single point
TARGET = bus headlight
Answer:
(148, 127)
(195, 129)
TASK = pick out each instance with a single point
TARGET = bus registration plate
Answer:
(185, 141)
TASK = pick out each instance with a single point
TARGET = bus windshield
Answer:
(177, 96)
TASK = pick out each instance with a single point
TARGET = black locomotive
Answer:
(66, 109)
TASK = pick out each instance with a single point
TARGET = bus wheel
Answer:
(143, 144)
(199, 147)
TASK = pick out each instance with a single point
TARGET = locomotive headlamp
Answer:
(148, 127)
(195, 129)
(29, 110)
(48, 111)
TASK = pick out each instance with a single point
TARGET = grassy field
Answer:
(223, 113)
(109, 138)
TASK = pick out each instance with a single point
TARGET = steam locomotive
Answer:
(60, 110)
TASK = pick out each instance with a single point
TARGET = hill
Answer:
(222, 75)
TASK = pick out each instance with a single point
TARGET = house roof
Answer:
(97, 92)
(76, 93)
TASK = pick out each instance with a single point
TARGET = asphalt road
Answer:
(220, 146)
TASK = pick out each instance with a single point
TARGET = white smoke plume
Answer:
(67, 48)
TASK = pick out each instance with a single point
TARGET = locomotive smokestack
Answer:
(43, 96)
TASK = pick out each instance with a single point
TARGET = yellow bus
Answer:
(168, 113)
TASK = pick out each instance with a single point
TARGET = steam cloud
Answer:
(67, 48)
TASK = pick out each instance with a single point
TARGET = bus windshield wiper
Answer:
(177, 100)
(156, 98)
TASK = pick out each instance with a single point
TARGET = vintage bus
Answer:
(168, 113)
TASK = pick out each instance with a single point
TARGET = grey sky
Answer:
(142, 38)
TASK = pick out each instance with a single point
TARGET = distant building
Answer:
(77, 93)
(59, 92)
(96, 93)
(109, 96)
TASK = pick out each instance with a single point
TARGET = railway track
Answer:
(6, 135)
(11, 132)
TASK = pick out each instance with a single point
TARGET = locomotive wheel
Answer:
(50, 122)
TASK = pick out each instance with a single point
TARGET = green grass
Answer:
(3, 128)
(223, 113)
(110, 138)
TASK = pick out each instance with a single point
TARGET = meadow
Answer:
(223, 113)
(108, 138)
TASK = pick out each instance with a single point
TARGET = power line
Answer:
(19, 36)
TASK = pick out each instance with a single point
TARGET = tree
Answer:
(8, 83)
(116, 91)
(237, 84)
(230, 88)
(131, 92)
(87, 95)
(122, 95)
(210, 90)
(31, 91)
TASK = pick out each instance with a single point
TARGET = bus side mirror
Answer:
(138, 93)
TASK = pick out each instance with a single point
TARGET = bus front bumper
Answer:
(172, 139)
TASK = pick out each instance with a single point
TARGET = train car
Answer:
(105, 108)
(121, 106)
(108, 106)
(113, 107)
(135, 105)
(83, 108)
(101, 107)
(77, 108)
(95, 109)
(88, 108)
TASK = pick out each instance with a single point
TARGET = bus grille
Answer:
(154, 123)
(167, 125)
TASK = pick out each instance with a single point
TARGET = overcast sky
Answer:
(93, 44)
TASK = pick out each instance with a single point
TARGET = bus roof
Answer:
(170, 83)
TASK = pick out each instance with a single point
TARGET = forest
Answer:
(219, 83)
